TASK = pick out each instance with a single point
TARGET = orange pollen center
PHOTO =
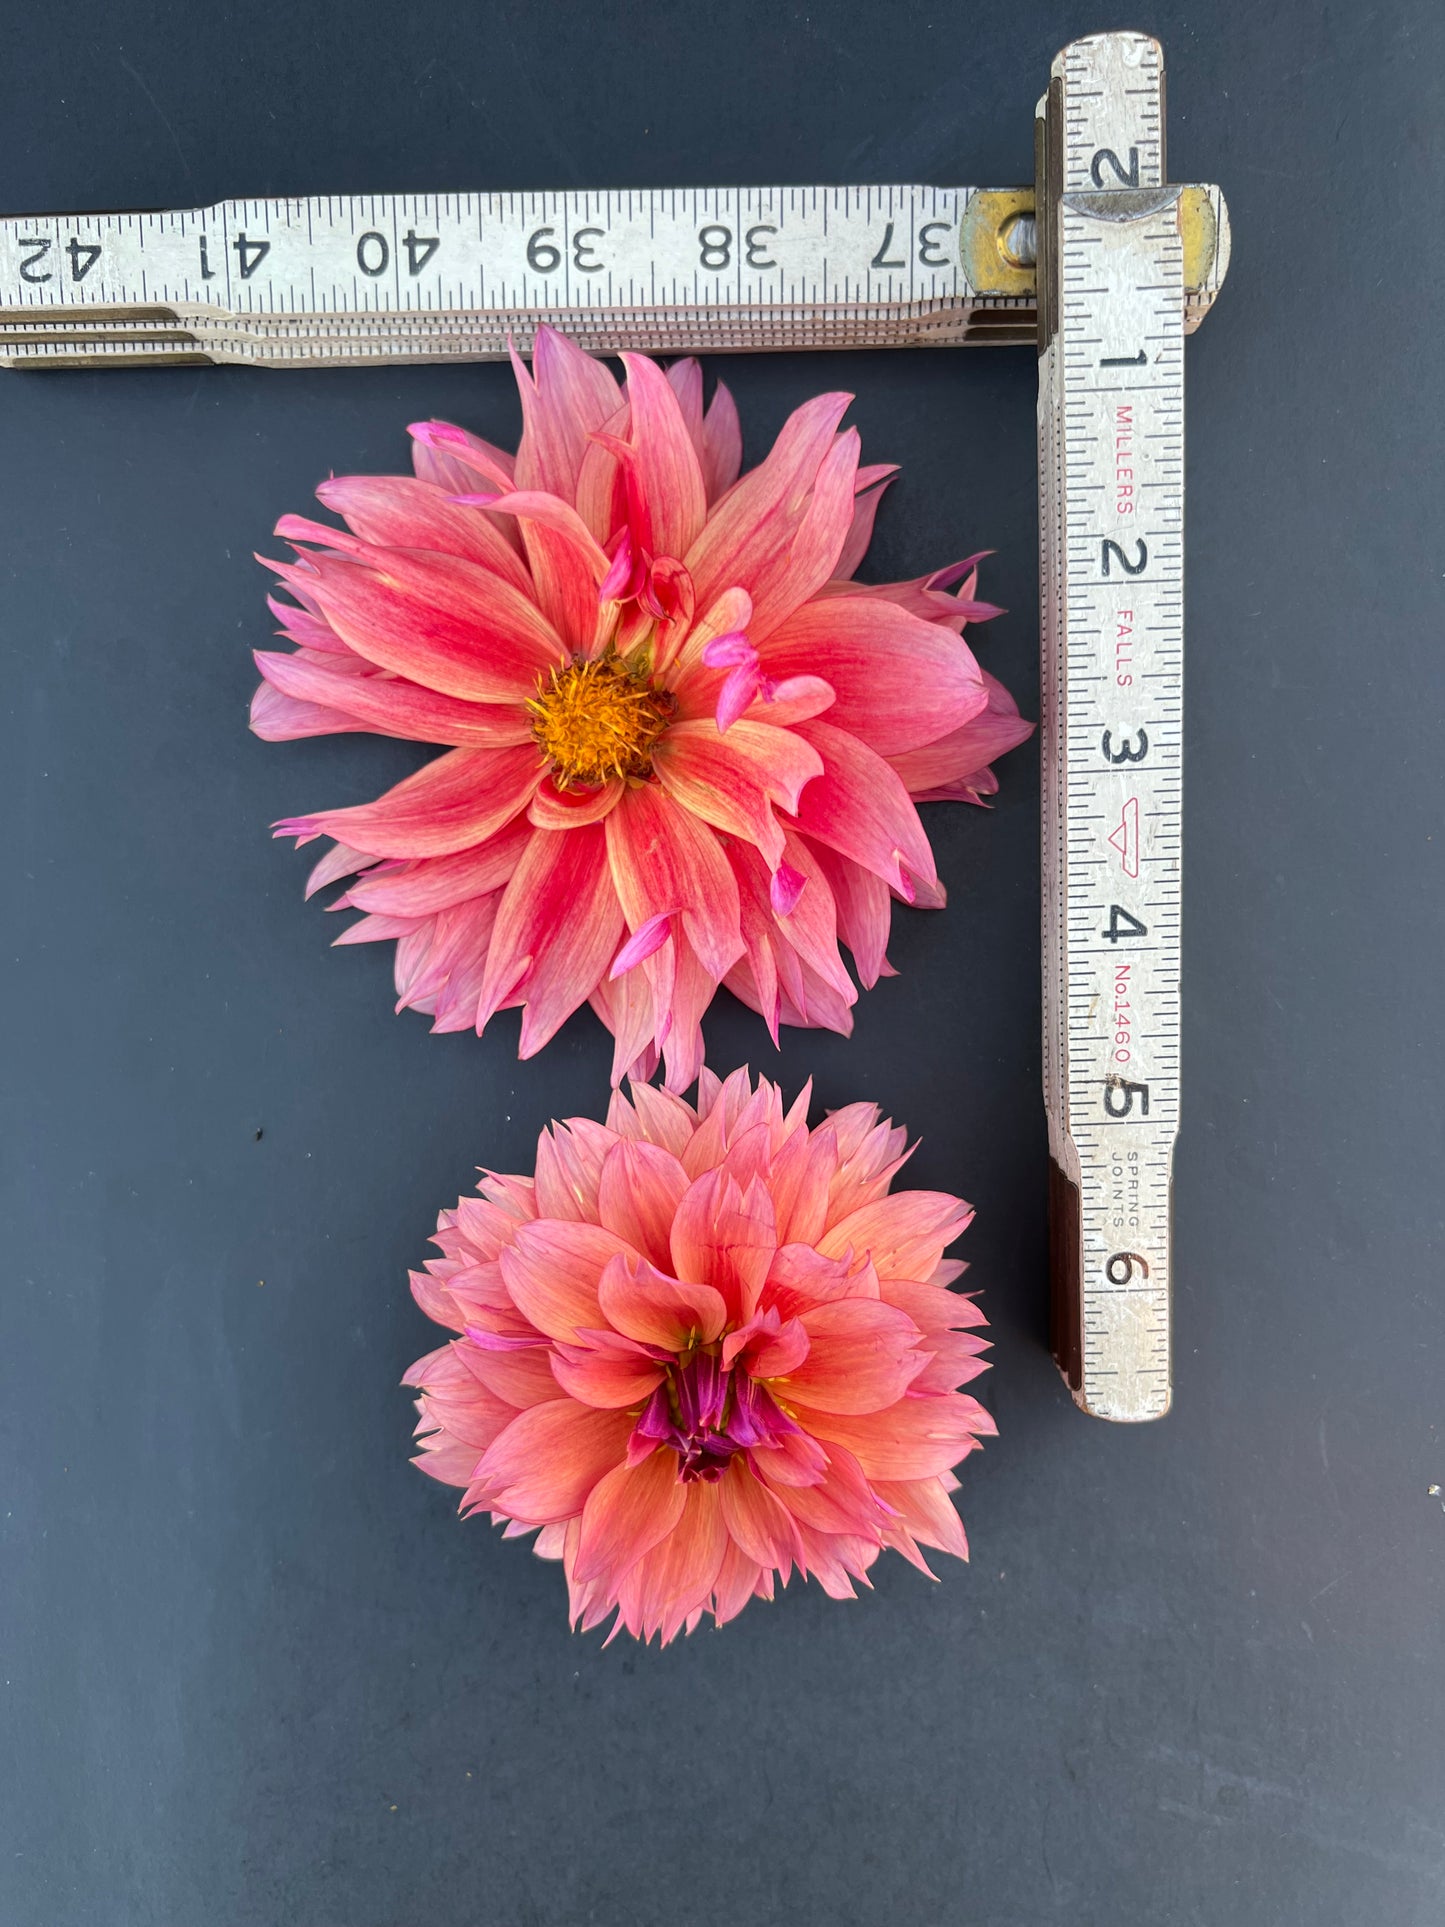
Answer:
(599, 719)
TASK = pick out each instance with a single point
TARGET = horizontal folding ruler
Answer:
(1101, 262)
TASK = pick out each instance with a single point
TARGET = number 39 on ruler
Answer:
(1103, 261)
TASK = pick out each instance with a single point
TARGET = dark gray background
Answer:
(254, 1670)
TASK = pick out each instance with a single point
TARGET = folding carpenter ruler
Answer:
(1101, 262)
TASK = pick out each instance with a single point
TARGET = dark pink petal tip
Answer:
(644, 941)
(785, 889)
(956, 571)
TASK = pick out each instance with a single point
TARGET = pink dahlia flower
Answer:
(702, 1349)
(684, 745)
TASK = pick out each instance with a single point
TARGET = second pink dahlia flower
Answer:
(701, 1348)
(683, 744)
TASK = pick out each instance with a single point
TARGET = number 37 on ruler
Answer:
(1101, 263)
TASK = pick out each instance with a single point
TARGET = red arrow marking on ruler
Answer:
(1126, 838)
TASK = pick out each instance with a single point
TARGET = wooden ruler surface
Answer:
(1102, 263)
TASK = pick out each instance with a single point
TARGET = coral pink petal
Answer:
(397, 512)
(552, 1271)
(643, 1303)
(663, 861)
(734, 781)
(917, 1438)
(940, 770)
(425, 885)
(393, 707)
(638, 1194)
(544, 1465)
(565, 399)
(627, 1512)
(898, 681)
(667, 466)
(870, 484)
(725, 1238)
(678, 1574)
(861, 1357)
(568, 564)
(439, 621)
(813, 553)
(859, 808)
(722, 443)
(557, 925)
(747, 537)
(904, 1234)
(460, 799)
(604, 1379)
(758, 1522)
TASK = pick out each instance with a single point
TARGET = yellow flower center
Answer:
(599, 719)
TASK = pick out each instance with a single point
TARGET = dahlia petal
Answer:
(917, 1438)
(389, 706)
(640, 1188)
(904, 1234)
(429, 884)
(448, 1460)
(684, 378)
(861, 1357)
(439, 621)
(749, 532)
(920, 598)
(552, 1269)
(738, 1581)
(625, 1007)
(898, 681)
(840, 1502)
(279, 718)
(554, 809)
(735, 696)
(949, 768)
(567, 563)
(785, 887)
(678, 1574)
(610, 1381)
(627, 1512)
(925, 1510)
(557, 926)
(662, 1118)
(395, 511)
(566, 397)
(667, 465)
(543, 1466)
(859, 807)
(459, 449)
(306, 628)
(733, 782)
(870, 484)
(569, 1169)
(954, 1359)
(645, 1304)
(722, 439)
(758, 1522)
(864, 909)
(458, 800)
(646, 939)
(725, 1238)
(814, 550)
(662, 861)
(768, 1347)
(521, 1374)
